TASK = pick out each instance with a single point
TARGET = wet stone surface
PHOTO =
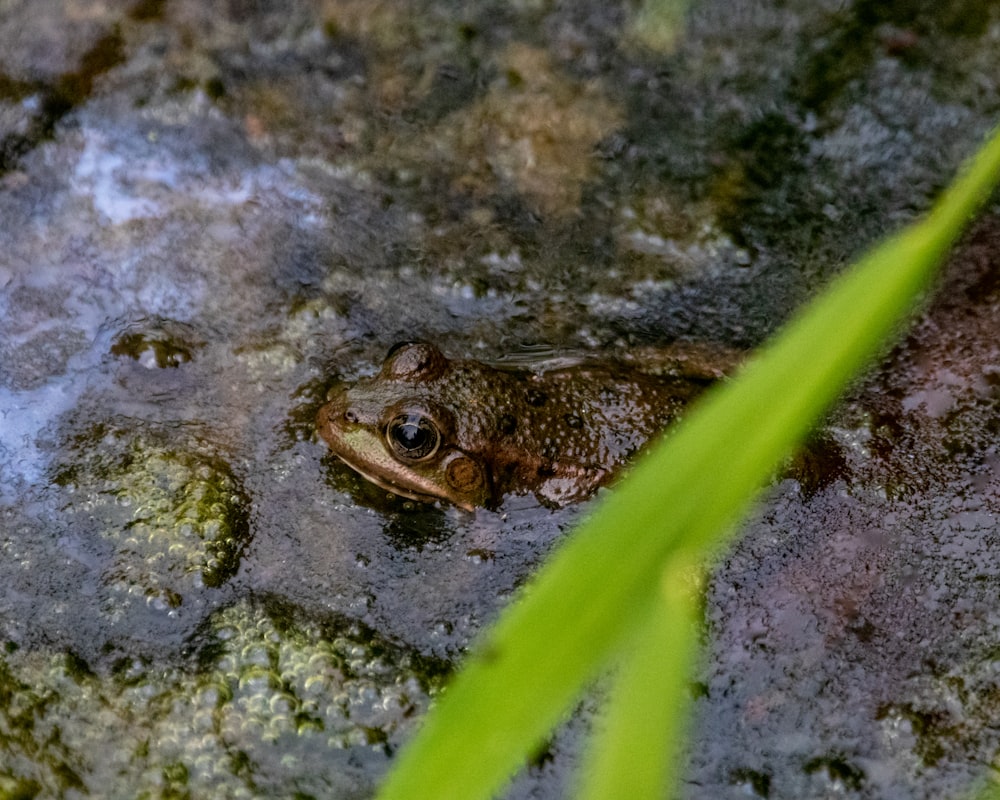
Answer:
(213, 213)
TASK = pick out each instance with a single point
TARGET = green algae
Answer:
(270, 703)
(176, 518)
(257, 698)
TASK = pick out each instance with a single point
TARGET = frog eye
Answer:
(413, 437)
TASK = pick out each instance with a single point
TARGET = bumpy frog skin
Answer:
(430, 428)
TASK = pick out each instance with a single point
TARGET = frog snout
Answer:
(336, 412)
(342, 412)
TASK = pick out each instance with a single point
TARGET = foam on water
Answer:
(97, 268)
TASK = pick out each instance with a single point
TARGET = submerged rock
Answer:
(175, 520)
(268, 693)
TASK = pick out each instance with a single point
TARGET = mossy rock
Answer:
(271, 702)
(174, 515)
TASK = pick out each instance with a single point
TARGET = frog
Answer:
(468, 433)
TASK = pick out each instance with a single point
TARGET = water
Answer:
(239, 208)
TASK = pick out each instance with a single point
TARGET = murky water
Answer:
(211, 214)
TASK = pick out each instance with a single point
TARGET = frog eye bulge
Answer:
(412, 436)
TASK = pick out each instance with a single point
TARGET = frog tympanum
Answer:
(431, 428)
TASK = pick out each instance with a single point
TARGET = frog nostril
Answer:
(350, 416)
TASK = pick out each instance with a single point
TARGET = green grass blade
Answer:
(524, 674)
(635, 748)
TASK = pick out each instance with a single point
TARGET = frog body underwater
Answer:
(431, 428)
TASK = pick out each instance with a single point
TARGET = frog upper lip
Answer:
(402, 491)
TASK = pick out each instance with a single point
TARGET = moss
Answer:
(156, 341)
(35, 758)
(175, 516)
(13, 788)
(267, 688)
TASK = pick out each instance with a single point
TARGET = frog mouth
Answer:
(396, 489)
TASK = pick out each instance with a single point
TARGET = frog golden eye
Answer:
(413, 437)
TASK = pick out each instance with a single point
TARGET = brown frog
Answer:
(432, 428)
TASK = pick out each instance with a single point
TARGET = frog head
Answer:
(399, 429)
